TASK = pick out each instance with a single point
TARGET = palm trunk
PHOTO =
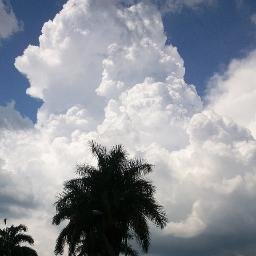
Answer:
(126, 244)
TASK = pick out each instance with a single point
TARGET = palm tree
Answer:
(11, 239)
(108, 205)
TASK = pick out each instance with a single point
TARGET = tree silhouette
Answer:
(11, 239)
(108, 205)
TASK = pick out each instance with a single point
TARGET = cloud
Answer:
(178, 5)
(10, 119)
(205, 244)
(233, 93)
(190, 227)
(215, 169)
(104, 72)
(171, 5)
(15, 197)
(8, 21)
(253, 18)
(147, 108)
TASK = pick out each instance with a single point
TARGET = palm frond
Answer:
(127, 249)
(99, 151)
(16, 229)
(23, 238)
(61, 240)
(141, 230)
(85, 170)
(138, 167)
(28, 251)
(156, 214)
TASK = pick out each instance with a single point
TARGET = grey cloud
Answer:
(242, 243)
(8, 21)
(11, 119)
(15, 199)
(173, 5)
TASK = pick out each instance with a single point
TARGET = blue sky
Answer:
(207, 39)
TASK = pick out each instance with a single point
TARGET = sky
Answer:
(171, 80)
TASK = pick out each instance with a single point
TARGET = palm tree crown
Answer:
(107, 205)
(11, 239)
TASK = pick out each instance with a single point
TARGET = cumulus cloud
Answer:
(147, 108)
(189, 227)
(10, 119)
(16, 199)
(15, 196)
(104, 72)
(233, 93)
(216, 168)
(8, 21)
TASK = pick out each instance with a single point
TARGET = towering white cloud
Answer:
(215, 171)
(147, 108)
(104, 72)
(8, 21)
(233, 93)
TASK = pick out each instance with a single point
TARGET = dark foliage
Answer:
(11, 239)
(107, 205)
